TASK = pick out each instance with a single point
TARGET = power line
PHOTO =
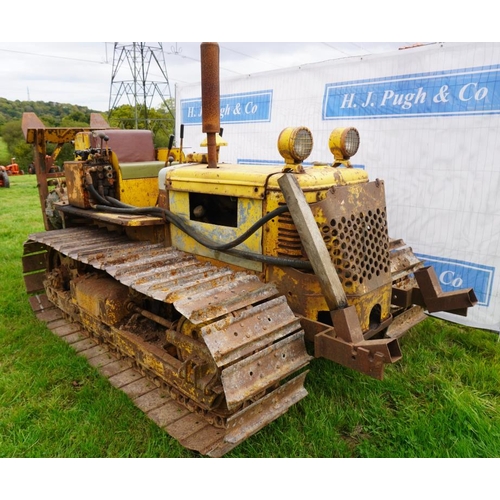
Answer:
(177, 51)
(250, 57)
(53, 57)
(342, 51)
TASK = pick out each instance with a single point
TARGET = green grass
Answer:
(441, 400)
(4, 152)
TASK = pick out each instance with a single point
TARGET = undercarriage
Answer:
(221, 345)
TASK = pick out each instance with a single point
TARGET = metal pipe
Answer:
(182, 142)
(210, 97)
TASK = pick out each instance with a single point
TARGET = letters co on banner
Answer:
(458, 92)
(237, 108)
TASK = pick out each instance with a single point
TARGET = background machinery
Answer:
(8, 170)
(4, 177)
(212, 285)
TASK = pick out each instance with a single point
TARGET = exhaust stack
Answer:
(210, 97)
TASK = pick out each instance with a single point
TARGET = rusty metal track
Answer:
(179, 422)
(403, 264)
(251, 333)
(200, 291)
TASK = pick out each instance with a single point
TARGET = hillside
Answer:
(53, 112)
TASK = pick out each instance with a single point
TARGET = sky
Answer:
(81, 72)
(35, 67)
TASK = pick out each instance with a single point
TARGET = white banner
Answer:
(429, 120)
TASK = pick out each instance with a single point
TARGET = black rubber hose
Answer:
(181, 224)
(258, 225)
(96, 195)
(118, 203)
(269, 259)
(225, 247)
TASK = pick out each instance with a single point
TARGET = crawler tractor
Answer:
(196, 287)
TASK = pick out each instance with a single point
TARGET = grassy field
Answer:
(4, 153)
(441, 400)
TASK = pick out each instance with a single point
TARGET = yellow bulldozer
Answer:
(204, 290)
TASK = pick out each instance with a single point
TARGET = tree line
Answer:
(160, 120)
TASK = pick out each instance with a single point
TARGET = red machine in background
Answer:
(6, 171)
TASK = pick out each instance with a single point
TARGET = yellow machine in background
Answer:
(212, 278)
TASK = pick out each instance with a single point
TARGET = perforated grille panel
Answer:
(353, 223)
(359, 247)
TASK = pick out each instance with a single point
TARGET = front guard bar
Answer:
(430, 296)
(346, 345)
(436, 300)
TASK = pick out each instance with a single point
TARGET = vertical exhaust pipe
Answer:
(182, 141)
(210, 97)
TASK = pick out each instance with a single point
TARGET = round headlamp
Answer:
(295, 144)
(344, 143)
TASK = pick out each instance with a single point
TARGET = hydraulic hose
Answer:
(118, 203)
(181, 224)
(96, 195)
(275, 261)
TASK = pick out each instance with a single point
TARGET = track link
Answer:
(254, 339)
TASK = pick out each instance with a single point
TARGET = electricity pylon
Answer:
(133, 82)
